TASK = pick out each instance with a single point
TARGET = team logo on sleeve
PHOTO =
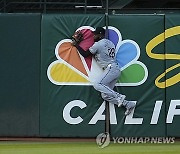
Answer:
(71, 68)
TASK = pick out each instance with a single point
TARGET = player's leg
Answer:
(103, 85)
(129, 105)
(111, 99)
(121, 97)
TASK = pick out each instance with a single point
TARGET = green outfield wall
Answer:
(20, 50)
(46, 87)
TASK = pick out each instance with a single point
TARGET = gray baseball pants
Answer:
(106, 83)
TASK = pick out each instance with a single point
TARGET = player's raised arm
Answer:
(84, 53)
(76, 39)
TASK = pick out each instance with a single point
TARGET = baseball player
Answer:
(103, 51)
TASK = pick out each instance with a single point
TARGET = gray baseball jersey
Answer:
(104, 52)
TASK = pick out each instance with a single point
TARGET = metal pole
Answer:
(44, 6)
(85, 7)
(107, 6)
(106, 16)
(107, 116)
(4, 6)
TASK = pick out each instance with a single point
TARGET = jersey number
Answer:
(111, 52)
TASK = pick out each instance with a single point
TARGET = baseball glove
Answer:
(77, 37)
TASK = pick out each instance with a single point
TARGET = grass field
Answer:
(7, 147)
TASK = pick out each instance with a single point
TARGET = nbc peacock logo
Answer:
(71, 68)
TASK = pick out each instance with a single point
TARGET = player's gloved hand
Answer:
(77, 38)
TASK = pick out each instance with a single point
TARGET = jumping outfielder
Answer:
(103, 51)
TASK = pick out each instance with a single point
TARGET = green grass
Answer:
(86, 148)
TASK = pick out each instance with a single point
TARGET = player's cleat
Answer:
(129, 107)
(120, 100)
